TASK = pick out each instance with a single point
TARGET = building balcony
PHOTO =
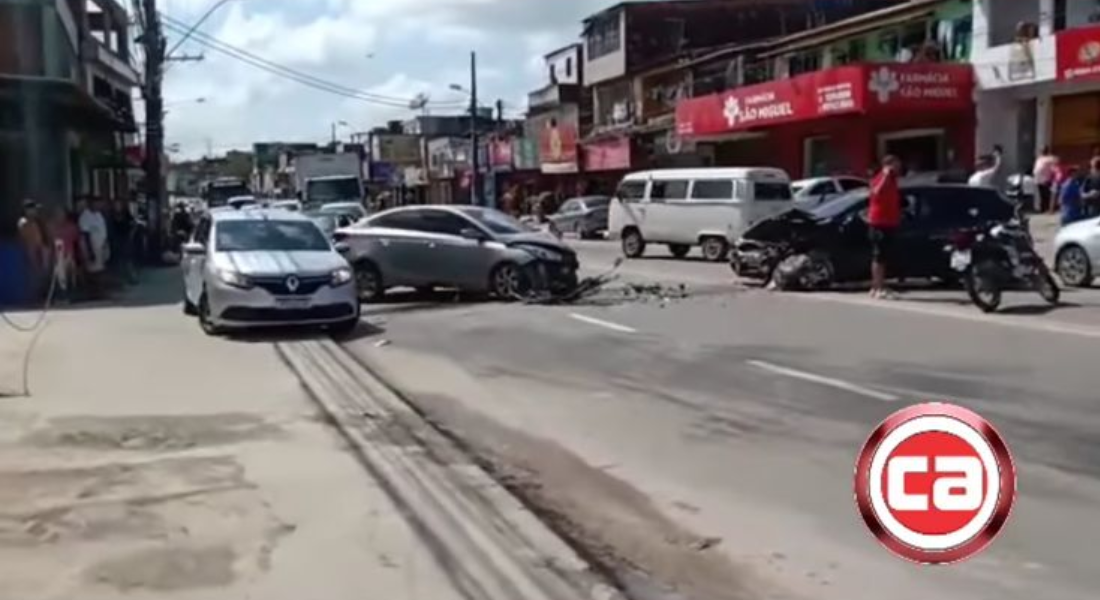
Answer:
(553, 95)
(110, 65)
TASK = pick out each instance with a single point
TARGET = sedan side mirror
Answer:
(194, 249)
(341, 247)
(473, 234)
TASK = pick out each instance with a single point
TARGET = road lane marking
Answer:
(602, 323)
(904, 306)
(822, 380)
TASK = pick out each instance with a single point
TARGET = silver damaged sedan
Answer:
(266, 267)
(467, 248)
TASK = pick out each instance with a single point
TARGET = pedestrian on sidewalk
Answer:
(1044, 174)
(1090, 190)
(1070, 197)
(66, 241)
(35, 247)
(93, 227)
(883, 219)
(122, 241)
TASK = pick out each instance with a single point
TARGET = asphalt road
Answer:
(739, 413)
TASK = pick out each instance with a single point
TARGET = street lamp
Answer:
(336, 124)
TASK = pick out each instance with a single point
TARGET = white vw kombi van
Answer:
(683, 208)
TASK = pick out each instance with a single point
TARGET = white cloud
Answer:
(418, 46)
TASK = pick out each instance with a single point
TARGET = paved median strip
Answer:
(492, 546)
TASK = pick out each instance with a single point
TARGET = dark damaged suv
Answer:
(835, 234)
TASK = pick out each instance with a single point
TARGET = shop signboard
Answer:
(558, 147)
(856, 89)
(1078, 53)
(395, 148)
(607, 155)
(381, 171)
(500, 154)
(525, 153)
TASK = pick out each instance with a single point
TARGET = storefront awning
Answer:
(854, 89)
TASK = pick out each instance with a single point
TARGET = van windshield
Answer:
(764, 191)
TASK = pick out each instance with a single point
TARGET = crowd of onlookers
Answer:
(80, 253)
(1068, 189)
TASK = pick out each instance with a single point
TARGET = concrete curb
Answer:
(491, 546)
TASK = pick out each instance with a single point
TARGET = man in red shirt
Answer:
(883, 219)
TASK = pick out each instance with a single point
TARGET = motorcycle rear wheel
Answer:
(1048, 288)
(984, 291)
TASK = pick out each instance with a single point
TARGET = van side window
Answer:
(669, 190)
(631, 191)
(764, 191)
(712, 190)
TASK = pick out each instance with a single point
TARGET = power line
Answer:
(293, 74)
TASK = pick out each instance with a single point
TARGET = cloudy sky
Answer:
(392, 49)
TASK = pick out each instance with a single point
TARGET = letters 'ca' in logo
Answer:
(884, 83)
(935, 483)
(732, 111)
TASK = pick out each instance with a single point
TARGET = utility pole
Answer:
(474, 159)
(155, 53)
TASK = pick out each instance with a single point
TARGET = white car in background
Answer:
(1077, 252)
(238, 202)
(291, 205)
(819, 190)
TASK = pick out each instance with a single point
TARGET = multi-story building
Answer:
(633, 51)
(836, 98)
(442, 173)
(1038, 69)
(66, 80)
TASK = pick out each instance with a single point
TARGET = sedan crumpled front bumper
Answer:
(754, 260)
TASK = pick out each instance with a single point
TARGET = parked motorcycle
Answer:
(1000, 257)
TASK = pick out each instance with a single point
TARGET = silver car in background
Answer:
(462, 247)
(586, 217)
(265, 267)
(816, 191)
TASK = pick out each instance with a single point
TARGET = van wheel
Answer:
(715, 249)
(633, 244)
(679, 250)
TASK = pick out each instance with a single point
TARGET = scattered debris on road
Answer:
(587, 287)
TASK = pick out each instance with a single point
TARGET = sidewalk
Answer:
(154, 462)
